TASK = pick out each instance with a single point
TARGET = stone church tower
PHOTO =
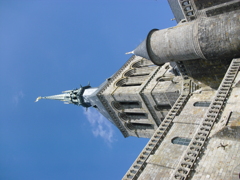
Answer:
(139, 96)
(135, 99)
(181, 89)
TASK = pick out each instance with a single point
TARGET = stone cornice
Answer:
(100, 95)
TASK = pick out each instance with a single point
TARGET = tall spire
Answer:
(71, 97)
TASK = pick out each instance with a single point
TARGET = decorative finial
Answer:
(132, 52)
(38, 99)
(75, 96)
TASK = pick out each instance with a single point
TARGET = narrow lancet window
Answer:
(138, 126)
(119, 105)
(132, 116)
(202, 104)
(181, 141)
(126, 83)
(163, 107)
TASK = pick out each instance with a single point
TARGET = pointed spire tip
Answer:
(131, 52)
(38, 99)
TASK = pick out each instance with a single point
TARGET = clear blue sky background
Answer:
(49, 46)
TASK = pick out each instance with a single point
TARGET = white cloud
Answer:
(100, 125)
(17, 97)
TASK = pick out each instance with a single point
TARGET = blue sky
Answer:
(50, 46)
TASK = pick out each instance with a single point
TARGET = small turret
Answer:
(194, 40)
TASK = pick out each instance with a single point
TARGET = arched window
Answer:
(123, 116)
(136, 72)
(129, 103)
(125, 83)
(136, 115)
(119, 105)
(139, 126)
(161, 79)
(142, 126)
(132, 115)
(132, 84)
(137, 64)
(202, 104)
(162, 107)
(181, 141)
